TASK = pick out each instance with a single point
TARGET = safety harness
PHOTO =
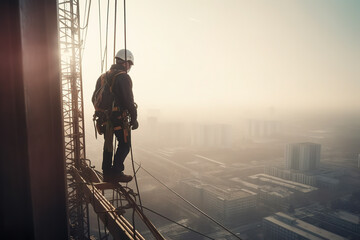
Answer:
(103, 115)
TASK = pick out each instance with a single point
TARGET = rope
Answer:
(86, 15)
(125, 30)
(86, 2)
(115, 31)
(107, 30)
(133, 223)
(85, 27)
(131, 149)
(133, 167)
(100, 34)
(181, 225)
(192, 205)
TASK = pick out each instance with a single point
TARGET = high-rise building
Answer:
(302, 156)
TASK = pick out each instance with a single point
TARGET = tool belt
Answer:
(107, 122)
(121, 121)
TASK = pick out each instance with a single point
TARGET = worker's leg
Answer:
(121, 151)
(107, 157)
(107, 160)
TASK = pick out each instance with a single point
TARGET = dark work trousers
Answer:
(122, 151)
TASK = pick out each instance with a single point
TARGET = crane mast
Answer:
(73, 114)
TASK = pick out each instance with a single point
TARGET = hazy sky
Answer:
(203, 54)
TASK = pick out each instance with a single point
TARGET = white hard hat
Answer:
(125, 56)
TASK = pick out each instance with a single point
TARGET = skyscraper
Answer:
(302, 156)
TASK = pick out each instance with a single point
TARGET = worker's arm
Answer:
(124, 94)
(97, 87)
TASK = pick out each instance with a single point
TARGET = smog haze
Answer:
(224, 88)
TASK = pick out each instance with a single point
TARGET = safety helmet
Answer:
(125, 57)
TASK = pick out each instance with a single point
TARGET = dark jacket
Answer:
(122, 90)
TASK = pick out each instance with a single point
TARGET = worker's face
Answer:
(127, 65)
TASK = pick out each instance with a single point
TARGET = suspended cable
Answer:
(86, 15)
(86, 2)
(192, 205)
(115, 31)
(107, 34)
(100, 34)
(125, 30)
(131, 150)
(181, 225)
(84, 35)
(136, 182)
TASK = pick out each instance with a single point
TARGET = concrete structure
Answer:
(223, 204)
(284, 227)
(302, 156)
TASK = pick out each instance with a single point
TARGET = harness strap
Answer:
(112, 81)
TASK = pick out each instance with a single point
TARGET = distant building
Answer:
(343, 220)
(273, 196)
(212, 135)
(302, 156)
(308, 179)
(281, 226)
(342, 223)
(322, 178)
(277, 197)
(223, 204)
(279, 182)
(263, 128)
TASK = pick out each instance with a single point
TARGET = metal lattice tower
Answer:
(73, 114)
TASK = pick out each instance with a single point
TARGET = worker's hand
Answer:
(134, 125)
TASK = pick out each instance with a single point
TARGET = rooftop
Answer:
(349, 217)
(284, 183)
(219, 192)
(301, 228)
(227, 194)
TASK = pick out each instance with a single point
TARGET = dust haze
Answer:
(222, 89)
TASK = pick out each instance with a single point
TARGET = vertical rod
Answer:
(100, 33)
(125, 30)
(115, 31)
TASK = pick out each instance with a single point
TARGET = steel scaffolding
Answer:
(73, 114)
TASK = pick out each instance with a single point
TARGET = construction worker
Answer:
(114, 89)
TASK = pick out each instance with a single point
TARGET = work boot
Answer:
(121, 177)
(108, 176)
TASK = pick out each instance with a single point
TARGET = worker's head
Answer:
(125, 58)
